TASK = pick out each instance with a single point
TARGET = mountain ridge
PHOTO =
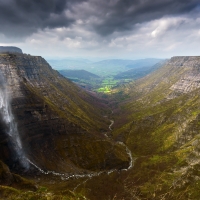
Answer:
(10, 49)
(53, 113)
(162, 130)
(81, 74)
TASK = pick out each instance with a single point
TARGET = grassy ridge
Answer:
(162, 130)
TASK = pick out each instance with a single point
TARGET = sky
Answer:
(125, 29)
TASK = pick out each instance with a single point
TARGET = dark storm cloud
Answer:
(23, 17)
(124, 14)
(19, 18)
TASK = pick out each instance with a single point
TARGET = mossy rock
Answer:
(6, 177)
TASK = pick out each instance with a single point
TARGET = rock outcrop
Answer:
(191, 78)
(10, 49)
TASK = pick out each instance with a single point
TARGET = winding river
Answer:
(65, 176)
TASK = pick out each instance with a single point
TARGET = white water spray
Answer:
(8, 121)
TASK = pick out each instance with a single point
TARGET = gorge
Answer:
(57, 141)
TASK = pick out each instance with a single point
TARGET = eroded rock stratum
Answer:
(60, 125)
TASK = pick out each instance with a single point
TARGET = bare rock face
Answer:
(191, 78)
(10, 49)
(59, 124)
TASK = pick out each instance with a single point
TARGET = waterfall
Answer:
(10, 125)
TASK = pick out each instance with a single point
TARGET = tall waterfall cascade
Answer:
(10, 125)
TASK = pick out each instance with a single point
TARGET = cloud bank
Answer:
(106, 26)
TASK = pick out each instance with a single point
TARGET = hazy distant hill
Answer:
(80, 74)
(143, 62)
(113, 63)
(104, 67)
(116, 66)
(138, 72)
(127, 63)
(69, 63)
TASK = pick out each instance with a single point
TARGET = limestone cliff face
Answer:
(179, 75)
(191, 78)
(163, 130)
(59, 124)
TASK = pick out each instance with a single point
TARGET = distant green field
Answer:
(103, 76)
(103, 85)
(108, 84)
(105, 89)
(99, 85)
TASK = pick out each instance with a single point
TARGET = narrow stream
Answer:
(112, 122)
(65, 176)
